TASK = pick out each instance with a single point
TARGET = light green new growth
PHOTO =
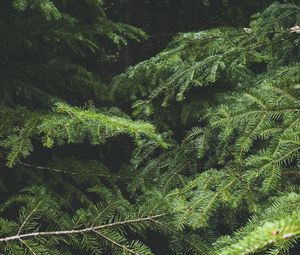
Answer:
(72, 125)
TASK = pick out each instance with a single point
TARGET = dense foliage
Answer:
(200, 156)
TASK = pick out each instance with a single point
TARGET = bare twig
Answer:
(73, 173)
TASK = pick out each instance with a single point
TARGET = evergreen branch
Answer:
(175, 233)
(28, 217)
(269, 111)
(73, 173)
(286, 129)
(268, 234)
(192, 43)
(28, 247)
(204, 212)
(123, 247)
(249, 136)
(174, 173)
(103, 211)
(79, 231)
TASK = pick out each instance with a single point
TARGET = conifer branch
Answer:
(28, 217)
(27, 246)
(123, 247)
(79, 231)
(73, 173)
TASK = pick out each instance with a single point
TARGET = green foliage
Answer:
(223, 178)
(46, 7)
(38, 214)
(72, 125)
(278, 232)
(278, 211)
(59, 38)
(204, 58)
(249, 130)
(267, 113)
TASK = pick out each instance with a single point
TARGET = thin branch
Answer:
(70, 172)
(28, 247)
(104, 210)
(79, 231)
(28, 217)
(73, 173)
(123, 247)
(213, 37)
